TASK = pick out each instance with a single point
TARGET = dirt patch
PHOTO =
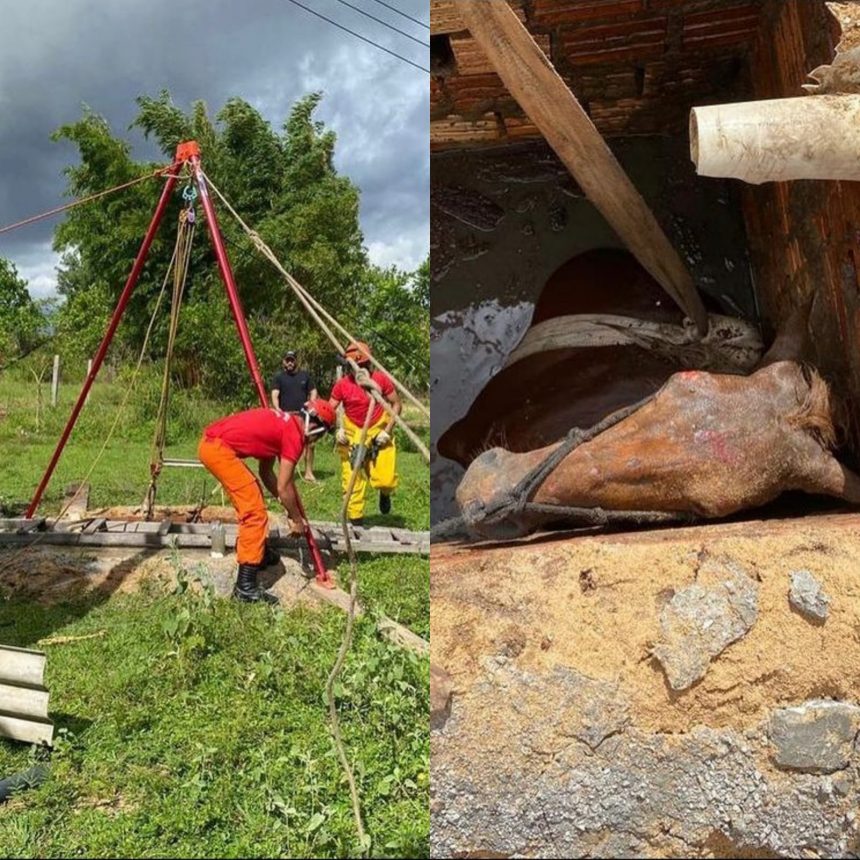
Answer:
(52, 575)
(607, 629)
(175, 513)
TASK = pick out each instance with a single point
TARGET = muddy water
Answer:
(504, 219)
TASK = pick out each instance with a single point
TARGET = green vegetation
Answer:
(196, 727)
(28, 435)
(21, 321)
(284, 185)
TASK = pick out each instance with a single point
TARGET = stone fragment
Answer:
(808, 596)
(700, 621)
(815, 737)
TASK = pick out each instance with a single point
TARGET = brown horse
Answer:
(706, 444)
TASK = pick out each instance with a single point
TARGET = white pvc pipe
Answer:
(812, 137)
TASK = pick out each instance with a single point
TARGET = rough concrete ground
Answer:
(562, 735)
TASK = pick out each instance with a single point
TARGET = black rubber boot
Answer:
(384, 503)
(270, 557)
(247, 590)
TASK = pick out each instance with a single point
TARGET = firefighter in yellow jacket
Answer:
(380, 463)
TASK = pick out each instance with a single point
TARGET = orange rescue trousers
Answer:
(245, 494)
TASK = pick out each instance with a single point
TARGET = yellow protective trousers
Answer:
(381, 472)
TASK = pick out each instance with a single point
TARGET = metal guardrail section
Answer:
(95, 531)
(23, 697)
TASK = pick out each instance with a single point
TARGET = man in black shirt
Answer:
(291, 389)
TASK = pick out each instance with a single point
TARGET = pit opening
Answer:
(507, 218)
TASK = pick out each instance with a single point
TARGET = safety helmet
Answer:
(290, 353)
(358, 351)
(322, 414)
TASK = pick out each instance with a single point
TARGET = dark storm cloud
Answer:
(56, 55)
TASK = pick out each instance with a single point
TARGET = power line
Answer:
(395, 9)
(357, 35)
(384, 23)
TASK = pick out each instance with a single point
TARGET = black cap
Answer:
(290, 353)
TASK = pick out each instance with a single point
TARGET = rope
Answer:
(33, 218)
(347, 635)
(450, 528)
(517, 500)
(185, 236)
(119, 412)
(307, 299)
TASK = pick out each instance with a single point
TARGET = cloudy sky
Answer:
(56, 55)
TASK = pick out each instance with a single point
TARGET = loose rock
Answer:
(700, 621)
(808, 596)
(815, 737)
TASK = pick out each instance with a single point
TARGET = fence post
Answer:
(55, 381)
(89, 371)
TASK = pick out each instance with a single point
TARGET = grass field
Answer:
(122, 473)
(196, 726)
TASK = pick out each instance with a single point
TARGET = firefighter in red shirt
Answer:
(263, 434)
(380, 466)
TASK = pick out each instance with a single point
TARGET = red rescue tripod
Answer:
(186, 153)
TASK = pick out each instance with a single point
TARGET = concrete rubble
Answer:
(676, 706)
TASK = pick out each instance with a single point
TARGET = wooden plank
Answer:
(403, 636)
(97, 524)
(32, 526)
(21, 524)
(101, 532)
(471, 60)
(30, 731)
(549, 103)
(21, 665)
(444, 17)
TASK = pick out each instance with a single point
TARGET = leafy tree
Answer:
(394, 317)
(21, 322)
(284, 185)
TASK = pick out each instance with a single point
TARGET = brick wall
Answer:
(804, 236)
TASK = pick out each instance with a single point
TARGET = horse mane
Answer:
(820, 413)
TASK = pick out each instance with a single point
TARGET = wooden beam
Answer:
(158, 535)
(552, 107)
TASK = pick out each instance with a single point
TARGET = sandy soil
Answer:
(593, 604)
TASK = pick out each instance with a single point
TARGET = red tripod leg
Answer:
(106, 340)
(229, 282)
(323, 577)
